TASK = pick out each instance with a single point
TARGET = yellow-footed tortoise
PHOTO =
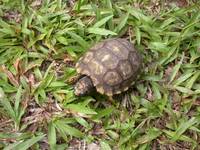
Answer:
(110, 66)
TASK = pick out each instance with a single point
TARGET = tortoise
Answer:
(110, 66)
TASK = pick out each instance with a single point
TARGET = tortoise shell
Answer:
(112, 65)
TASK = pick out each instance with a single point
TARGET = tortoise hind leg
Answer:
(125, 100)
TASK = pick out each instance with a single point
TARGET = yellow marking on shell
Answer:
(120, 51)
(93, 64)
(100, 89)
(118, 92)
(109, 93)
(88, 56)
(86, 72)
(78, 69)
(110, 61)
(105, 58)
(112, 78)
(94, 81)
(116, 49)
(99, 69)
(125, 69)
(102, 54)
(125, 89)
(96, 68)
(77, 64)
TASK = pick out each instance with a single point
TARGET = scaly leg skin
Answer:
(126, 101)
(111, 100)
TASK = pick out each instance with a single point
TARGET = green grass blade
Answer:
(101, 31)
(65, 129)
(183, 127)
(18, 98)
(7, 105)
(105, 146)
(24, 145)
(176, 69)
(81, 109)
(122, 23)
(102, 22)
(52, 136)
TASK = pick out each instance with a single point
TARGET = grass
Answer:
(41, 40)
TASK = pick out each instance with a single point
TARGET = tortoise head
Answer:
(84, 86)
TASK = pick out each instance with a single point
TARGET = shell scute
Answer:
(117, 49)
(125, 69)
(112, 65)
(112, 78)
(107, 58)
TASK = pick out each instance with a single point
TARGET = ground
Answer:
(40, 41)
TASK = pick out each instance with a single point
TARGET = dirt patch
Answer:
(179, 3)
(12, 16)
